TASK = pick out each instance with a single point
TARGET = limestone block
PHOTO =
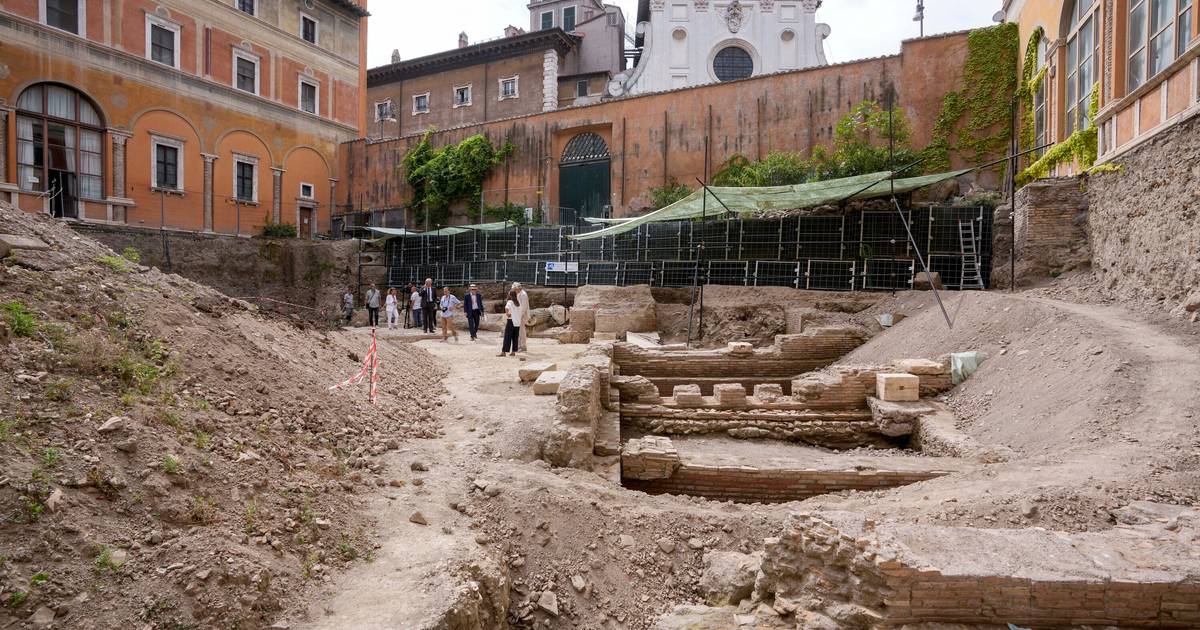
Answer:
(921, 367)
(897, 387)
(729, 394)
(604, 336)
(768, 392)
(547, 383)
(570, 447)
(728, 577)
(558, 312)
(608, 434)
(9, 242)
(583, 319)
(688, 396)
(637, 389)
(896, 419)
(926, 281)
(740, 348)
(648, 458)
(531, 371)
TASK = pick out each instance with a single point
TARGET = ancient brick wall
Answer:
(1051, 228)
(1143, 222)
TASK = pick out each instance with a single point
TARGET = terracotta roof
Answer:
(351, 6)
(493, 50)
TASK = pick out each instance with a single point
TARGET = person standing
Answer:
(348, 305)
(511, 326)
(523, 321)
(474, 309)
(373, 306)
(429, 304)
(393, 309)
(414, 304)
(447, 305)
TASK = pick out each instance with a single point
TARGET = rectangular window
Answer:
(31, 153)
(462, 96)
(245, 184)
(308, 96)
(245, 72)
(568, 19)
(166, 166)
(1137, 43)
(308, 29)
(612, 19)
(508, 88)
(162, 45)
(383, 111)
(581, 88)
(547, 20)
(1183, 27)
(63, 14)
(306, 191)
(421, 103)
(246, 6)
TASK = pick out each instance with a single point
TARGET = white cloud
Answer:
(861, 28)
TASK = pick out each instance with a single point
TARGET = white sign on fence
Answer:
(562, 267)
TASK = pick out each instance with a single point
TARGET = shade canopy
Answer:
(718, 201)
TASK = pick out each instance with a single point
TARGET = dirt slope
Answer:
(169, 457)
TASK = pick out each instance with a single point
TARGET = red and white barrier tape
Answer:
(370, 368)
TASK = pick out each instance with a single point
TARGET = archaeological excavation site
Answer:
(176, 457)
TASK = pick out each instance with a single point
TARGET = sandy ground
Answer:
(487, 416)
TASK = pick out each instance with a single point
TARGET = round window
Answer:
(679, 34)
(788, 35)
(733, 63)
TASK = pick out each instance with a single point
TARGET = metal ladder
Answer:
(971, 276)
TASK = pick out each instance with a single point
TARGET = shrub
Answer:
(104, 559)
(663, 196)
(171, 465)
(279, 230)
(131, 254)
(20, 319)
(59, 391)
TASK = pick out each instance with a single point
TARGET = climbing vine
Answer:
(1081, 147)
(973, 121)
(1030, 84)
(440, 178)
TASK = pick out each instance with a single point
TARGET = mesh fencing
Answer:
(860, 251)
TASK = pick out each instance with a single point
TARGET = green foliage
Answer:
(279, 230)
(973, 121)
(115, 263)
(20, 319)
(863, 142)
(51, 457)
(6, 430)
(104, 559)
(135, 373)
(203, 440)
(59, 391)
(663, 196)
(17, 598)
(171, 465)
(1028, 89)
(251, 511)
(39, 578)
(131, 254)
(315, 272)
(507, 211)
(439, 178)
(1081, 148)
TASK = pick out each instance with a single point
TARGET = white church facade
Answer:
(694, 42)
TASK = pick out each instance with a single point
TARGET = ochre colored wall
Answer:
(657, 137)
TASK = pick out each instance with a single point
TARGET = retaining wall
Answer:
(749, 484)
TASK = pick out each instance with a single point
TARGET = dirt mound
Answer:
(172, 457)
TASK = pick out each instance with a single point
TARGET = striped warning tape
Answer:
(370, 368)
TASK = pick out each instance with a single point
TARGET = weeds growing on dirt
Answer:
(51, 457)
(171, 465)
(20, 319)
(203, 510)
(104, 559)
(251, 510)
(115, 263)
(131, 254)
(17, 598)
(203, 440)
(39, 578)
(59, 391)
(6, 430)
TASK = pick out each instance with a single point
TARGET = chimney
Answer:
(463, 42)
(513, 31)
(395, 55)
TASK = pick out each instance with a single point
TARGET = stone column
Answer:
(208, 190)
(333, 182)
(119, 136)
(277, 194)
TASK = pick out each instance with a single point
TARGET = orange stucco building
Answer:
(1141, 55)
(201, 115)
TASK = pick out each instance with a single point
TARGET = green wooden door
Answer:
(584, 179)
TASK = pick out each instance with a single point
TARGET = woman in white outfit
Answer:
(393, 309)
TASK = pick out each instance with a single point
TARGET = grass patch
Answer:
(171, 418)
(251, 513)
(51, 457)
(134, 373)
(131, 254)
(59, 391)
(39, 578)
(104, 560)
(171, 465)
(20, 319)
(347, 551)
(203, 510)
(115, 263)
(6, 430)
(17, 598)
(203, 440)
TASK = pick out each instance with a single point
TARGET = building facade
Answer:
(1138, 56)
(218, 116)
(694, 42)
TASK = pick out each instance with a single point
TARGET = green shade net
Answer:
(713, 201)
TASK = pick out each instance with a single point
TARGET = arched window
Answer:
(60, 144)
(1159, 30)
(732, 63)
(1083, 57)
(1039, 99)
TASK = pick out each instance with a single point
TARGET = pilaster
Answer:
(208, 190)
(119, 137)
(550, 81)
(276, 194)
(5, 108)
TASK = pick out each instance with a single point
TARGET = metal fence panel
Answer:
(637, 273)
(731, 272)
(880, 273)
(603, 273)
(778, 274)
(830, 275)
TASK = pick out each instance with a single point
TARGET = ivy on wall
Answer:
(440, 178)
(1030, 84)
(1082, 148)
(973, 121)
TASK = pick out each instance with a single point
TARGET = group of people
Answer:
(423, 306)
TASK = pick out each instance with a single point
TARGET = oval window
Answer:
(733, 63)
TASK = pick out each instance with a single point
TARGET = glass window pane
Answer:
(88, 114)
(1137, 69)
(162, 45)
(90, 141)
(89, 163)
(1184, 30)
(63, 14)
(1160, 14)
(31, 100)
(25, 128)
(1162, 52)
(60, 102)
(1137, 28)
(28, 177)
(89, 187)
(733, 63)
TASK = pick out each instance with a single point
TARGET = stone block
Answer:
(688, 396)
(768, 392)
(531, 371)
(604, 336)
(740, 347)
(927, 281)
(637, 389)
(897, 387)
(583, 320)
(547, 383)
(608, 434)
(921, 367)
(9, 242)
(648, 458)
(897, 419)
(730, 394)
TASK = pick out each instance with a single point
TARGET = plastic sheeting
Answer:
(713, 201)
(964, 364)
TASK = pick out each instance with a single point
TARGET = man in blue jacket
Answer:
(473, 305)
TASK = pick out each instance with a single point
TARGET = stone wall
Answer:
(1143, 221)
(583, 397)
(311, 274)
(1051, 230)
(837, 569)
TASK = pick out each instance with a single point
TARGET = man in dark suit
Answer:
(429, 304)
(473, 305)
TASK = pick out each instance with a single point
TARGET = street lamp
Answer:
(920, 15)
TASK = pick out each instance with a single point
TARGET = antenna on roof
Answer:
(920, 15)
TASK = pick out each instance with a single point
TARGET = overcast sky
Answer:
(861, 28)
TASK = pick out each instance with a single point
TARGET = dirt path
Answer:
(487, 416)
